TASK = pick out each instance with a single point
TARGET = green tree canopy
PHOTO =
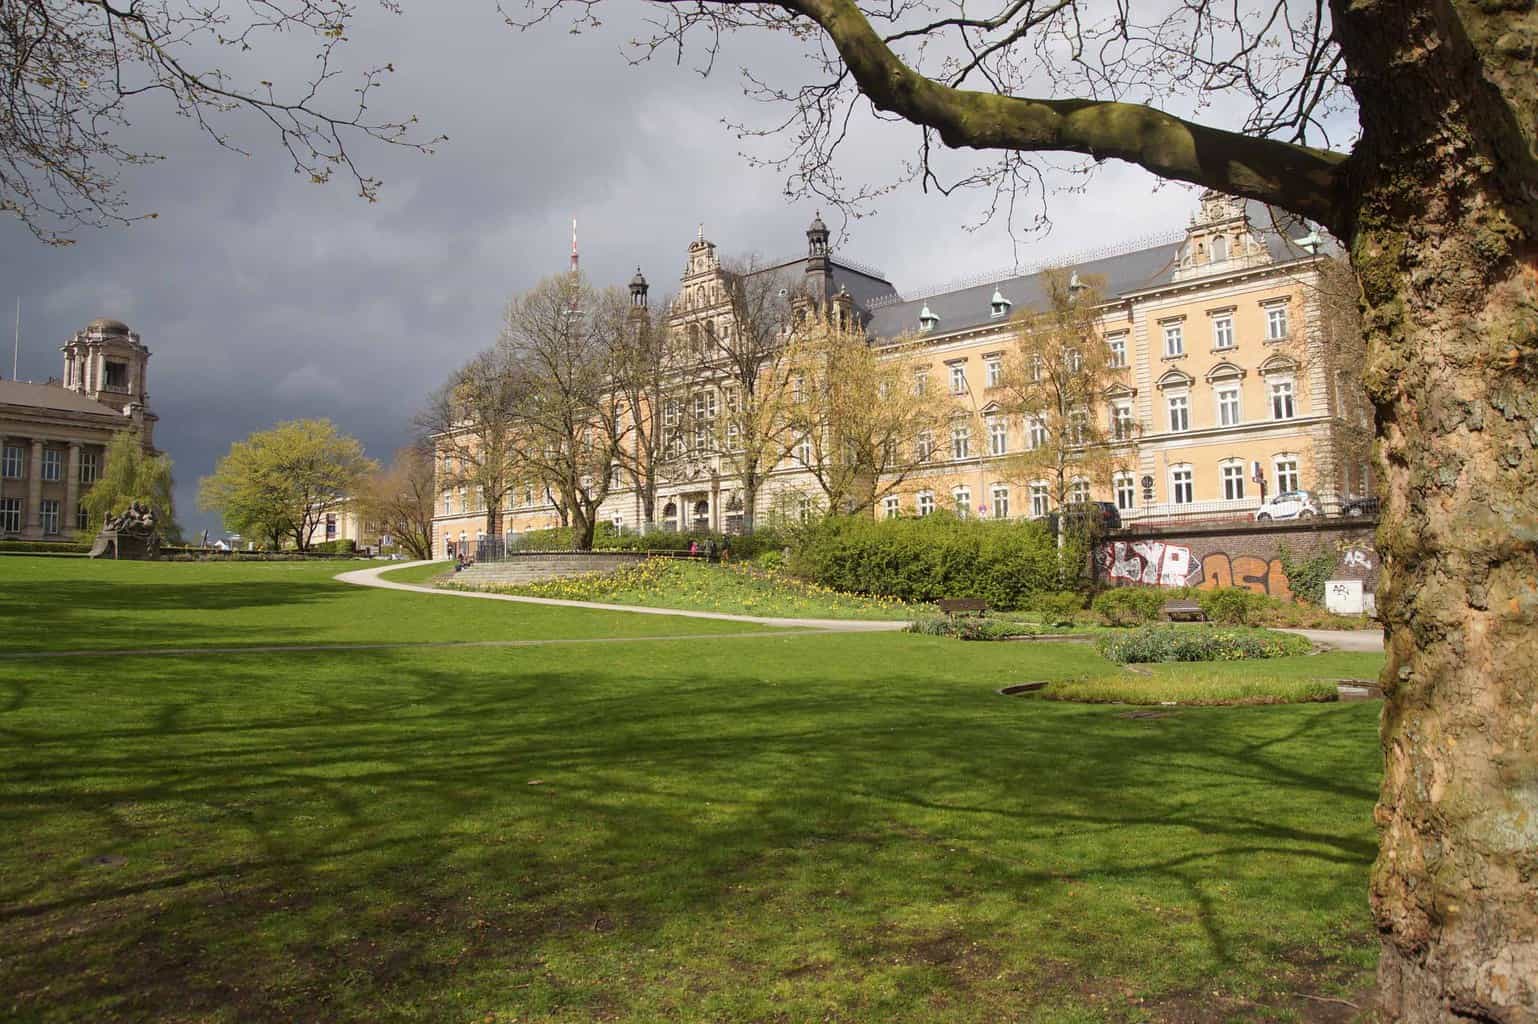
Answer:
(278, 484)
(133, 474)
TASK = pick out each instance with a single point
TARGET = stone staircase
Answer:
(531, 567)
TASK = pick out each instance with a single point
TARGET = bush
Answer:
(1177, 643)
(1130, 606)
(970, 628)
(335, 547)
(44, 547)
(1306, 576)
(1232, 606)
(1057, 607)
(929, 558)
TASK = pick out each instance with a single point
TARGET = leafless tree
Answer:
(572, 419)
(472, 423)
(400, 500)
(73, 68)
(645, 376)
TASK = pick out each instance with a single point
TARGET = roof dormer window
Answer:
(927, 320)
(998, 305)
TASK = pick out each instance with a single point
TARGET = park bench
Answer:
(953, 606)
(1183, 611)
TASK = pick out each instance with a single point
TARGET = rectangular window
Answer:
(797, 388)
(1078, 492)
(117, 376)
(1276, 323)
(892, 505)
(448, 499)
(12, 462)
(1180, 413)
(1000, 497)
(1038, 500)
(1182, 490)
(1078, 426)
(330, 526)
(1117, 343)
(961, 500)
(804, 450)
(1222, 332)
(50, 509)
(463, 503)
(961, 441)
(958, 380)
(53, 464)
(1281, 400)
(82, 518)
(920, 382)
(1233, 481)
(925, 448)
(1228, 407)
(1075, 360)
(995, 372)
(1287, 478)
(90, 465)
(998, 436)
(1121, 421)
(10, 515)
(670, 411)
(1036, 432)
(1125, 493)
(926, 503)
(1038, 368)
(1174, 340)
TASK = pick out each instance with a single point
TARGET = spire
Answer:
(574, 266)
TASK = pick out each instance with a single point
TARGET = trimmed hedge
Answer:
(1135, 606)
(923, 560)
(335, 547)
(45, 547)
(1177, 643)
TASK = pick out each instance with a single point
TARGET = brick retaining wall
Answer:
(1236, 554)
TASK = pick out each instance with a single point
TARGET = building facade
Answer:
(1223, 383)
(54, 436)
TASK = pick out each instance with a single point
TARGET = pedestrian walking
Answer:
(726, 550)
(710, 550)
(694, 548)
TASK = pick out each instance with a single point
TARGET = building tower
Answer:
(819, 265)
(638, 290)
(108, 362)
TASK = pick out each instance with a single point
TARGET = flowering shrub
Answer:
(1176, 643)
(1130, 606)
(970, 628)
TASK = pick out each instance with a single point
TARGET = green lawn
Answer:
(699, 586)
(831, 827)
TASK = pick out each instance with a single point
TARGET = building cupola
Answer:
(998, 306)
(638, 289)
(817, 237)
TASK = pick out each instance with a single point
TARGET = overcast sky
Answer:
(265, 298)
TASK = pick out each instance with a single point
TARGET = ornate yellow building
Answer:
(1227, 386)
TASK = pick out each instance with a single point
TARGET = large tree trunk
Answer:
(1444, 245)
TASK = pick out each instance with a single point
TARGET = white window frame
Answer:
(1223, 332)
(1174, 339)
(998, 436)
(1230, 413)
(892, 506)
(1035, 432)
(1078, 491)
(1291, 476)
(11, 462)
(53, 466)
(10, 515)
(1182, 482)
(1041, 501)
(1284, 399)
(998, 499)
(90, 465)
(48, 511)
(961, 441)
(995, 372)
(1277, 326)
(1123, 426)
(1117, 344)
(958, 374)
(1184, 408)
(1231, 476)
(924, 502)
(924, 446)
(1125, 487)
(961, 501)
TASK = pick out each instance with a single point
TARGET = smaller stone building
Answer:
(54, 436)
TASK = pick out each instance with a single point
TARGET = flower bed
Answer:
(1178, 643)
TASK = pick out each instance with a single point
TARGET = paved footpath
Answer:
(371, 578)
(1367, 640)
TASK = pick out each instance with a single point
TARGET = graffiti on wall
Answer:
(1249, 571)
(1156, 563)
(1149, 562)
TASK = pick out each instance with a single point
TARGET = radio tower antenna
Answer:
(574, 245)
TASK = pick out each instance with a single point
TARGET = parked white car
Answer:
(1289, 505)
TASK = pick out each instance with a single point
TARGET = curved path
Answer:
(1366, 640)
(372, 578)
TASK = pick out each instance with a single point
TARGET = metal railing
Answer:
(1244, 511)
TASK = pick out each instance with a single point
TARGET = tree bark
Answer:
(1443, 243)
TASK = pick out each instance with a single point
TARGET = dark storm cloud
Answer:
(266, 298)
